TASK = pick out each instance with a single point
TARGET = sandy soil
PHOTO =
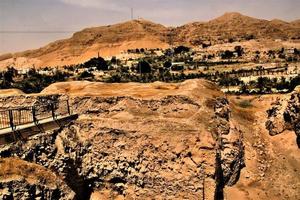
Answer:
(140, 90)
(10, 92)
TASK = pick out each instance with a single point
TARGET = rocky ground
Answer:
(272, 161)
(285, 115)
(185, 141)
(24, 180)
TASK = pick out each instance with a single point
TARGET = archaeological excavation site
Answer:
(151, 141)
(149, 100)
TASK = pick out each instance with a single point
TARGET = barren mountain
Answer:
(296, 23)
(237, 27)
(106, 40)
(111, 40)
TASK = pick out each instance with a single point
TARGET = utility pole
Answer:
(131, 13)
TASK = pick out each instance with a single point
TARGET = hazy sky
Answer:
(27, 24)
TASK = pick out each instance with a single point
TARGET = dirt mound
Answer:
(10, 92)
(140, 90)
(19, 179)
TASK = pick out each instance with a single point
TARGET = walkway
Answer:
(21, 123)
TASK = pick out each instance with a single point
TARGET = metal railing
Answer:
(11, 118)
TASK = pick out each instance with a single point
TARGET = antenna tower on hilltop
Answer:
(131, 13)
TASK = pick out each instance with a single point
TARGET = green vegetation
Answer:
(245, 104)
(181, 49)
(171, 65)
(85, 74)
(32, 82)
(98, 63)
(144, 67)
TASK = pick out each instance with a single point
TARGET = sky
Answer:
(29, 24)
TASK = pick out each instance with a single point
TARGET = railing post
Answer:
(34, 115)
(11, 119)
(52, 110)
(68, 105)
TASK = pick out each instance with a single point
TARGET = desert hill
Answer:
(107, 40)
(237, 27)
(113, 39)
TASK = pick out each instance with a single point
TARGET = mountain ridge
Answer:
(140, 33)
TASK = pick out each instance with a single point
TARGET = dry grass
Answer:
(243, 109)
(245, 104)
(14, 168)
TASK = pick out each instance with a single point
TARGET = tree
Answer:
(167, 65)
(264, 84)
(115, 78)
(244, 89)
(250, 37)
(294, 83)
(181, 49)
(283, 84)
(113, 60)
(231, 40)
(227, 54)
(8, 77)
(271, 54)
(177, 68)
(281, 51)
(144, 67)
(99, 63)
(86, 74)
(239, 50)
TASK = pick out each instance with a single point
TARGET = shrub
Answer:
(245, 104)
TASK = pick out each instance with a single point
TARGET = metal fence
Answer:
(33, 114)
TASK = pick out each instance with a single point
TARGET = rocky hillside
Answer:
(106, 40)
(272, 162)
(24, 180)
(178, 141)
(285, 115)
(237, 27)
(111, 40)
